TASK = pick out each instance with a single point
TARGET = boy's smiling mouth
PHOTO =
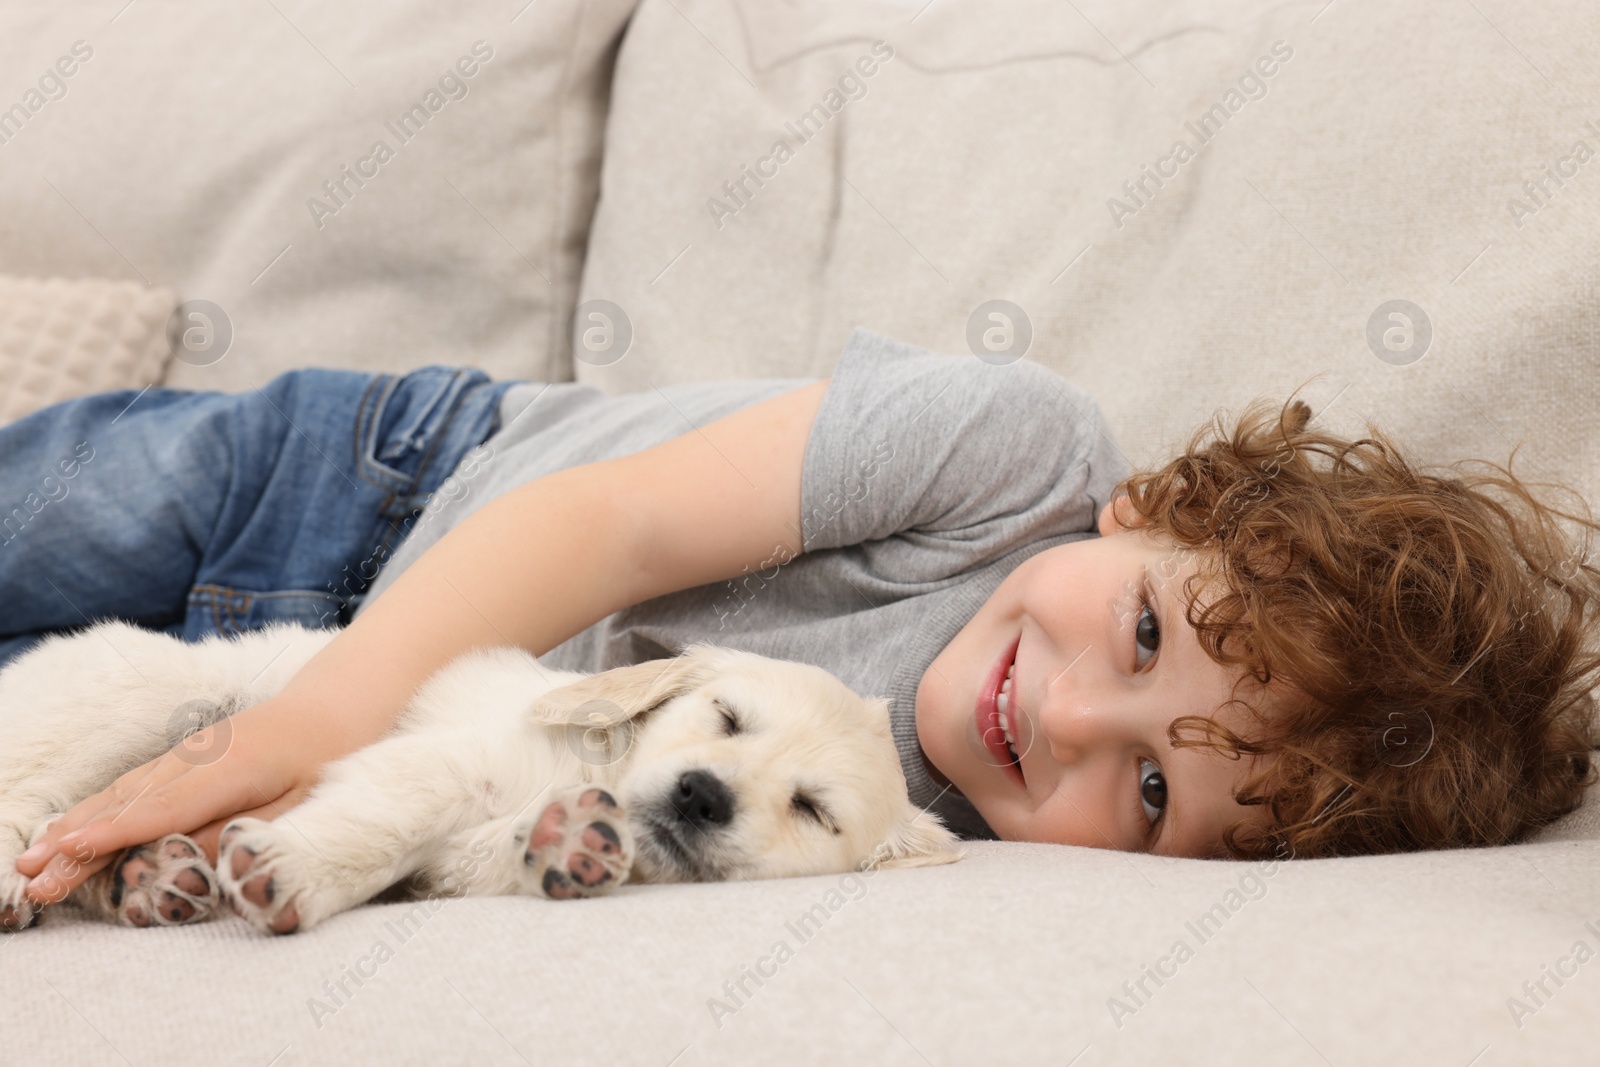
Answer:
(992, 732)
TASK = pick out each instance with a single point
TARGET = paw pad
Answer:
(251, 865)
(579, 846)
(168, 883)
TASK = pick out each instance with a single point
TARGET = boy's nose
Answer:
(1077, 716)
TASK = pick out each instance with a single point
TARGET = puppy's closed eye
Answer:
(730, 721)
(808, 808)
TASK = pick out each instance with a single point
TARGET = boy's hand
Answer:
(260, 762)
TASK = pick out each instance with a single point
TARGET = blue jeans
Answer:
(197, 513)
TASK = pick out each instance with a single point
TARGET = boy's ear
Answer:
(1118, 514)
(918, 840)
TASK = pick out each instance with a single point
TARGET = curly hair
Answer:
(1432, 633)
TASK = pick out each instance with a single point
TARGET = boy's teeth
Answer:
(1005, 725)
(1003, 705)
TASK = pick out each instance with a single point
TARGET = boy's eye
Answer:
(1152, 791)
(1146, 632)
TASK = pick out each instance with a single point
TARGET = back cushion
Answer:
(935, 158)
(374, 185)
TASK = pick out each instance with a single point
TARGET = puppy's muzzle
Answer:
(702, 800)
(680, 827)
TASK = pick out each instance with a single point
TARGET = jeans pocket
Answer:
(402, 420)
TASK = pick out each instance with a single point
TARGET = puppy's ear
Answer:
(622, 693)
(918, 840)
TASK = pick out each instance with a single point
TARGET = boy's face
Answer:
(1097, 680)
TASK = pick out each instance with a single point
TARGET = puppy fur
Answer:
(501, 776)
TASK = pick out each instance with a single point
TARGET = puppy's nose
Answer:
(702, 800)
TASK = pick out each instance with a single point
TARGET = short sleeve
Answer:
(951, 462)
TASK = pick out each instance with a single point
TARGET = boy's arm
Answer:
(550, 558)
(532, 567)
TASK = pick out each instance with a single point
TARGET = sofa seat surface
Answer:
(1018, 954)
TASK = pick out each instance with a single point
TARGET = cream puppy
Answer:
(501, 776)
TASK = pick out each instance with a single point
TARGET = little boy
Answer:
(1375, 659)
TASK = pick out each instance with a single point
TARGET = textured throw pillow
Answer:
(61, 338)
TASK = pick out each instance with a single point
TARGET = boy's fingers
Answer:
(81, 859)
(92, 817)
(174, 793)
(62, 875)
(190, 800)
(195, 797)
(109, 802)
(99, 840)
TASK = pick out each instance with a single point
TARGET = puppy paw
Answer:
(579, 846)
(17, 912)
(260, 875)
(166, 883)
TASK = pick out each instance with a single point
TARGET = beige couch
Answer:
(1352, 156)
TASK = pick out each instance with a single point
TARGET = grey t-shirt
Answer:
(926, 480)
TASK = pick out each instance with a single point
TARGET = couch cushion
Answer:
(1019, 954)
(189, 148)
(986, 160)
